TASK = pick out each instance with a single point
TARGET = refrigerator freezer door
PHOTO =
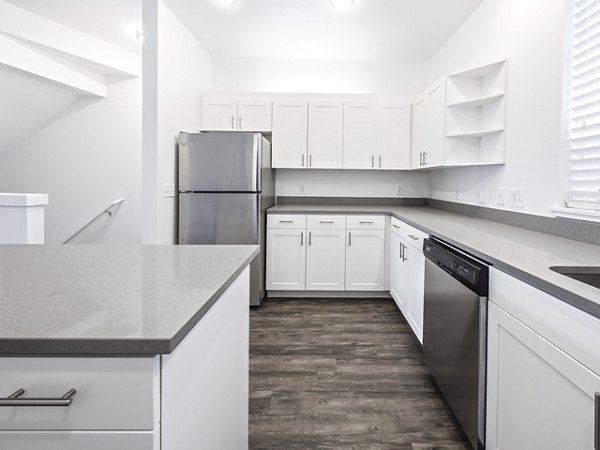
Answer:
(226, 162)
(221, 218)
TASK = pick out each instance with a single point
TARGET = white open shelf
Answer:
(475, 116)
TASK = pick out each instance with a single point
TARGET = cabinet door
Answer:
(398, 273)
(365, 260)
(219, 114)
(78, 440)
(436, 107)
(290, 134)
(419, 132)
(393, 137)
(325, 260)
(286, 259)
(538, 397)
(325, 124)
(254, 115)
(415, 262)
(360, 136)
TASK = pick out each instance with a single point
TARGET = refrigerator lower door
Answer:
(225, 219)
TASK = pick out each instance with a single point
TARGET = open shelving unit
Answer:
(475, 115)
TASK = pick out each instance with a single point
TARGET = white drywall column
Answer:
(22, 218)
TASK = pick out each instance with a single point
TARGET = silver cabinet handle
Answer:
(413, 238)
(395, 226)
(286, 221)
(310, 160)
(302, 160)
(422, 163)
(365, 221)
(379, 160)
(425, 158)
(597, 421)
(239, 122)
(232, 123)
(404, 247)
(400, 251)
(301, 238)
(309, 238)
(372, 160)
(349, 237)
(325, 221)
(15, 399)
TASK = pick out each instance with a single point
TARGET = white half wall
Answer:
(405, 79)
(530, 33)
(85, 157)
(351, 183)
(176, 69)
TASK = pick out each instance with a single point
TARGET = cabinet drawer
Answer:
(397, 226)
(112, 393)
(286, 221)
(78, 440)
(326, 222)
(365, 222)
(413, 236)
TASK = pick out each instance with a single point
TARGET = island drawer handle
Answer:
(325, 221)
(286, 221)
(365, 221)
(412, 237)
(15, 399)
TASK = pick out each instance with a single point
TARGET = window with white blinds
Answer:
(584, 138)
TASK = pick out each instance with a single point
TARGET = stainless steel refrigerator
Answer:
(225, 186)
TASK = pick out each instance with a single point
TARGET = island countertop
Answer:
(524, 254)
(109, 300)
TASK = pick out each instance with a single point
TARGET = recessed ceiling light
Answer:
(226, 2)
(342, 4)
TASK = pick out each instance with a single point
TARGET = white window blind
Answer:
(584, 139)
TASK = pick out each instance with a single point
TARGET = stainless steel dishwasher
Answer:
(455, 332)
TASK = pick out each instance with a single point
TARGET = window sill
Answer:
(588, 215)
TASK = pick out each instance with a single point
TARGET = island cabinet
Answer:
(195, 397)
(407, 273)
(325, 252)
(543, 388)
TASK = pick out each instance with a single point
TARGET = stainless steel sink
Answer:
(586, 274)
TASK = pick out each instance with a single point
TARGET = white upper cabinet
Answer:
(429, 127)
(226, 114)
(393, 136)
(290, 134)
(254, 115)
(360, 135)
(219, 114)
(325, 127)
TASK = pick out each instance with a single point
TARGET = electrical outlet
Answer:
(400, 191)
(456, 193)
(516, 197)
(301, 189)
(500, 200)
(168, 190)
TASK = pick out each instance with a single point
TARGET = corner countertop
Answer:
(109, 300)
(524, 254)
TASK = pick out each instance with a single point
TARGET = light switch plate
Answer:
(516, 197)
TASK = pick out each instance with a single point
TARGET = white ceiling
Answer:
(312, 29)
(114, 21)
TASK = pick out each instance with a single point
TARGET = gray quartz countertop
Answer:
(524, 254)
(109, 300)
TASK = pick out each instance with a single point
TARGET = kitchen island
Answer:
(152, 339)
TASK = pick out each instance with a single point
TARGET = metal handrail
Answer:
(107, 210)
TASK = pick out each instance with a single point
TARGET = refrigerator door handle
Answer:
(256, 163)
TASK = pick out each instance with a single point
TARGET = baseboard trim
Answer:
(328, 294)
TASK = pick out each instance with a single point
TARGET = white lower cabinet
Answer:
(325, 253)
(286, 259)
(325, 260)
(193, 398)
(365, 259)
(543, 359)
(407, 273)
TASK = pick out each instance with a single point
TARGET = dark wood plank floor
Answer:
(342, 373)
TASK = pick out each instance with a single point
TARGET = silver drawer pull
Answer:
(395, 226)
(286, 221)
(15, 399)
(325, 221)
(412, 237)
(365, 221)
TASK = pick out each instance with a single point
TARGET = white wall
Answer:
(85, 157)
(176, 69)
(406, 79)
(530, 33)
(351, 183)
